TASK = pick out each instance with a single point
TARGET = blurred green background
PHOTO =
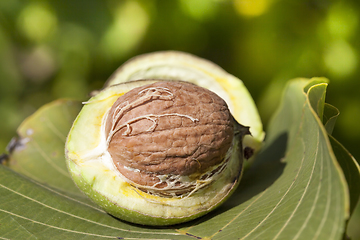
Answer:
(65, 49)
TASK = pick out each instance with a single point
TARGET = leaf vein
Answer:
(55, 227)
(55, 130)
(66, 196)
(238, 215)
(48, 159)
(281, 199)
(328, 201)
(302, 198)
(81, 218)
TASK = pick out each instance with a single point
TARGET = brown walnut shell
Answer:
(167, 129)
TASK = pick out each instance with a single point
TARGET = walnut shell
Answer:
(168, 128)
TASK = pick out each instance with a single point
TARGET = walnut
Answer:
(159, 133)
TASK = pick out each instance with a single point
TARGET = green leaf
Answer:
(38, 152)
(302, 184)
(30, 211)
(330, 116)
(318, 94)
(351, 171)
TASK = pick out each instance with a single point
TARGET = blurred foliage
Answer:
(65, 49)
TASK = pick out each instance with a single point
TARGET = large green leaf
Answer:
(302, 185)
